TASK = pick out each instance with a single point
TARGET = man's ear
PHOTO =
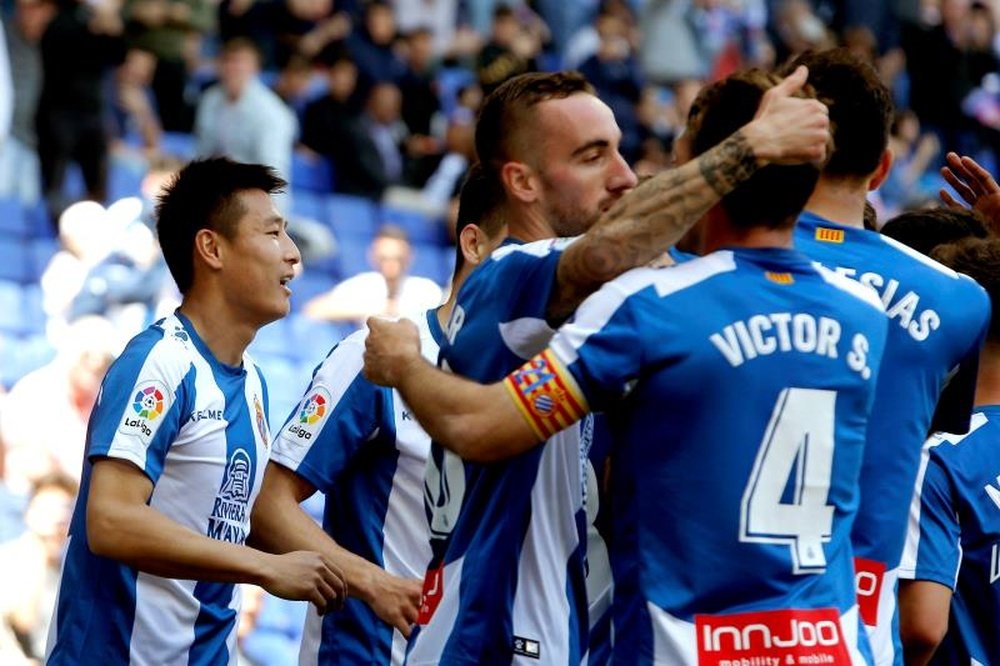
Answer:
(519, 180)
(208, 249)
(474, 244)
(882, 171)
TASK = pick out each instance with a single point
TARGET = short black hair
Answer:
(774, 195)
(979, 258)
(204, 195)
(925, 229)
(860, 104)
(479, 204)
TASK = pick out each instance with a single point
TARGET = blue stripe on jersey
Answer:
(215, 619)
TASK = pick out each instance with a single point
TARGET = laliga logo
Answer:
(312, 412)
(148, 405)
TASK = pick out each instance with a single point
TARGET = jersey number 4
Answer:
(784, 501)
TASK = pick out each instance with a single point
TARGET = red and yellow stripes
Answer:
(546, 394)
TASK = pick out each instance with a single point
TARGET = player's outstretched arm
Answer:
(975, 185)
(923, 619)
(122, 526)
(480, 423)
(658, 212)
(279, 525)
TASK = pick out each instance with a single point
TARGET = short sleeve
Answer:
(137, 416)
(337, 416)
(954, 406)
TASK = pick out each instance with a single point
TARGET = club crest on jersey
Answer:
(230, 519)
(149, 401)
(827, 235)
(311, 414)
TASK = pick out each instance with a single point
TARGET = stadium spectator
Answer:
(30, 564)
(439, 18)
(182, 413)
(170, 30)
(329, 122)
(59, 395)
(925, 229)
(948, 603)
(511, 50)
(912, 179)
(243, 119)
(134, 107)
(82, 42)
(975, 186)
(371, 47)
(20, 174)
(388, 290)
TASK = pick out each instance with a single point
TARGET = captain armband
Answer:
(546, 394)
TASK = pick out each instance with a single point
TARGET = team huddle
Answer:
(677, 421)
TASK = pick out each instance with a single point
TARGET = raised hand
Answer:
(788, 129)
(305, 576)
(975, 185)
(389, 348)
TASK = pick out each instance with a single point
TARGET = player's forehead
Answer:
(577, 120)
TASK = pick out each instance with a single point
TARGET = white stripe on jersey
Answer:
(541, 610)
(853, 287)
(538, 248)
(601, 306)
(908, 563)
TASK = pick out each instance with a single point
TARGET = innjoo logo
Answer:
(771, 637)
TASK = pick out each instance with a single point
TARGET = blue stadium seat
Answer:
(352, 255)
(312, 282)
(419, 227)
(125, 179)
(349, 216)
(429, 261)
(450, 80)
(314, 339)
(14, 220)
(286, 382)
(31, 309)
(14, 260)
(308, 204)
(38, 221)
(178, 144)
(21, 355)
(311, 172)
(273, 340)
(40, 252)
(11, 302)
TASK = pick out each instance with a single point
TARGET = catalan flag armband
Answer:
(546, 394)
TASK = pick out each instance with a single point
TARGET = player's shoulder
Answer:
(165, 343)
(345, 356)
(922, 268)
(852, 288)
(975, 447)
(673, 279)
(512, 251)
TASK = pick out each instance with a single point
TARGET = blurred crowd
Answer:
(367, 109)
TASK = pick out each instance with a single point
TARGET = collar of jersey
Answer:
(435, 326)
(781, 258)
(203, 349)
(813, 220)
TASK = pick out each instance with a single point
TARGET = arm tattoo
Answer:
(647, 221)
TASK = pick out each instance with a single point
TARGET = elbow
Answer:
(103, 532)
(921, 639)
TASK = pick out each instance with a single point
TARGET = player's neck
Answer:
(223, 333)
(839, 201)
(527, 224)
(988, 380)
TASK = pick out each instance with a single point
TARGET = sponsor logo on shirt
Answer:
(431, 594)
(868, 577)
(230, 520)
(527, 647)
(149, 402)
(312, 413)
(771, 638)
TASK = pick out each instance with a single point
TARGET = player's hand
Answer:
(306, 576)
(789, 129)
(396, 600)
(975, 185)
(389, 348)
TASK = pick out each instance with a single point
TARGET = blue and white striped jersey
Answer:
(938, 323)
(507, 581)
(954, 536)
(360, 445)
(198, 429)
(737, 388)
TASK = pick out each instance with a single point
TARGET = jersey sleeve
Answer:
(954, 406)
(937, 551)
(335, 418)
(527, 276)
(592, 361)
(138, 414)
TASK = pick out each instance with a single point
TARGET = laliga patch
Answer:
(868, 577)
(546, 394)
(771, 638)
(144, 413)
(312, 413)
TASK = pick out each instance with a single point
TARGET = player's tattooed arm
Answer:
(659, 211)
